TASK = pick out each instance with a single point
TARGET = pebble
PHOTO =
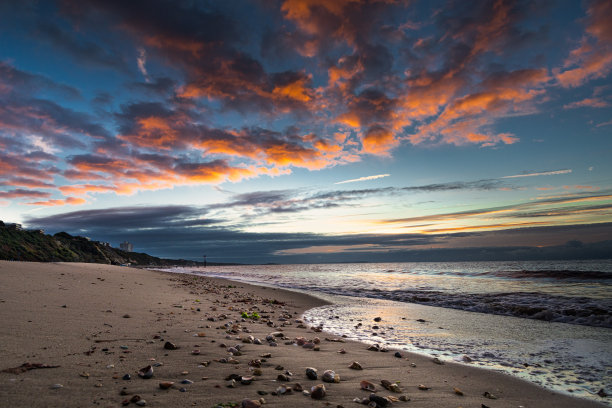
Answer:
(380, 402)
(283, 377)
(170, 346)
(56, 386)
(317, 392)
(311, 373)
(330, 376)
(436, 360)
(398, 354)
(423, 387)
(249, 403)
(127, 377)
(164, 385)
(186, 381)
(458, 391)
(377, 319)
(141, 403)
(356, 366)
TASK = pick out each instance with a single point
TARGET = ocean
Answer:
(547, 322)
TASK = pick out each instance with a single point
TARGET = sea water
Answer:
(546, 322)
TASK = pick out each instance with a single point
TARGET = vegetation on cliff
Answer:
(34, 245)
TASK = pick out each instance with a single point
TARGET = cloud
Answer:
(542, 173)
(60, 202)
(141, 60)
(186, 231)
(366, 178)
(593, 58)
(587, 103)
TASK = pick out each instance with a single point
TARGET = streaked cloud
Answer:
(366, 178)
(542, 173)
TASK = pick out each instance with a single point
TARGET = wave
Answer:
(560, 309)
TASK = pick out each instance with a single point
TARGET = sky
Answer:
(311, 130)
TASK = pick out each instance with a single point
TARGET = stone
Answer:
(356, 366)
(311, 373)
(170, 346)
(330, 376)
(380, 402)
(317, 392)
(164, 385)
(249, 403)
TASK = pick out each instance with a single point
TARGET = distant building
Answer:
(126, 246)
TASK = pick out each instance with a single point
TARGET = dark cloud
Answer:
(83, 51)
(161, 231)
(27, 83)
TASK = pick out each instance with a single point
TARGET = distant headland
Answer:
(18, 244)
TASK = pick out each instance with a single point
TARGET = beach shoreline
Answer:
(99, 323)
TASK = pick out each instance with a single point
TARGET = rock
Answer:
(394, 387)
(368, 386)
(186, 381)
(249, 403)
(398, 354)
(436, 360)
(341, 351)
(423, 387)
(257, 371)
(141, 403)
(488, 395)
(380, 402)
(458, 391)
(311, 373)
(170, 346)
(146, 372)
(602, 393)
(317, 392)
(374, 347)
(377, 319)
(135, 398)
(330, 376)
(127, 377)
(164, 385)
(126, 316)
(404, 398)
(297, 387)
(356, 366)
(467, 359)
(56, 386)
(283, 377)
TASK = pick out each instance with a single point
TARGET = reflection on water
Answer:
(567, 358)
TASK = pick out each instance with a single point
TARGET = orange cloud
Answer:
(66, 201)
(379, 141)
(593, 59)
(587, 103)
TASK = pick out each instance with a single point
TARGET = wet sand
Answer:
(91, 325)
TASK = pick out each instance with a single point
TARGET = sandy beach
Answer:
(76, 335)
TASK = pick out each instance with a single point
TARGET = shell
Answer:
(368, 386)
(146, 372)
